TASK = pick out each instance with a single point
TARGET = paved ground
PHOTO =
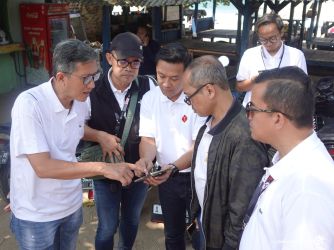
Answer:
(150, 235)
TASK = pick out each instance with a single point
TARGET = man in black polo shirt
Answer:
(109, 106)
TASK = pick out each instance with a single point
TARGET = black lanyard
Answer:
(121, 117)
(280, 61)
(258, 191)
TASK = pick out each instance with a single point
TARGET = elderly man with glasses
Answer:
(48, 122)
(227, 164)
(109, 108)
(271, 53)
(293, 207)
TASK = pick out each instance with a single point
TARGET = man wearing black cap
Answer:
(109, 108)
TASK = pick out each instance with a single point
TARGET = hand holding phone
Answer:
(155, 173)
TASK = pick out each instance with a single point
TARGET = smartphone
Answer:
(153, 174)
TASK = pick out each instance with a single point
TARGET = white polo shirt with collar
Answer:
(173, 125)
(296, 211)
(120, 95)
(40, 123)
(258, 58)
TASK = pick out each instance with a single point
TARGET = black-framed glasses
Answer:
(251, 108)
(123, 63)
(187, 98)
(87, 79)
(271, 40)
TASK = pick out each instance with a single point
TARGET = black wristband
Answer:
(175, 170)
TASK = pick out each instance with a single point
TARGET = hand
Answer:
(110, 144)
(7, 208)
(155, 181)
(145, 165)
(122, 172)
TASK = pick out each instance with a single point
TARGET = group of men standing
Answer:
(190, 123)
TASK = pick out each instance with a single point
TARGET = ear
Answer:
(210, 90)
(279, 120)
(60, 76)
(109, 57)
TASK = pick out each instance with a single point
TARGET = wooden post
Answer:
(214, 6)
(105, 34)
(156, 20)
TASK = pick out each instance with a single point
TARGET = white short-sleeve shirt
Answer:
(296, 211)
(40, 123)
(173, 125)
(258, 58)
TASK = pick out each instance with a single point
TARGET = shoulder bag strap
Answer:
(130, 114)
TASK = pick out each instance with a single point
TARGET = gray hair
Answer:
(70, 52)
(207, 69)
(268, 19)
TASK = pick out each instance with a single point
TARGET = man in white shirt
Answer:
(47, 123)
(295, 206)
(168, 128)
(272, 53)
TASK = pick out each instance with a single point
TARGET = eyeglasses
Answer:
(187, 98)
(87, 79)
(271, 40)
(123, 63)
(251, 108)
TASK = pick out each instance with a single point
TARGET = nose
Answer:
(165, 82)
(91, 84)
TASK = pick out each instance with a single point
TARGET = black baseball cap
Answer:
(126, 45)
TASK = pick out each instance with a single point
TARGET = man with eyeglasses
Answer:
(109, 108)
(294, 208)
(168, 128)
(226, 164)
(271, 53)
(48, 122)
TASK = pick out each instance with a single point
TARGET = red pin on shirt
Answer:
(184, 118)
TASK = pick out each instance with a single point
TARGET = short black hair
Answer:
(174, 53)
(290, 90)
(268, 19)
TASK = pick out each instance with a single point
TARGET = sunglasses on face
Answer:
(123, 63)
(187, 98)
(251, 108)
(87, 79)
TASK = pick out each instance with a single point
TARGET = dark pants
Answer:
(175, 196)
(109, 201)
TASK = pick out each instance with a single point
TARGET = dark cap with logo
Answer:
(126, 45)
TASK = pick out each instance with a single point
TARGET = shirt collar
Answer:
(114, 90)
(231, 113)
(278, 54)
(53, 98)
(286, 165)
(164, 98)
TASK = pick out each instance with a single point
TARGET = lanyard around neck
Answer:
(119, 118)
(280, 61)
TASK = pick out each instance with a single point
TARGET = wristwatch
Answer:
(175, 170)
